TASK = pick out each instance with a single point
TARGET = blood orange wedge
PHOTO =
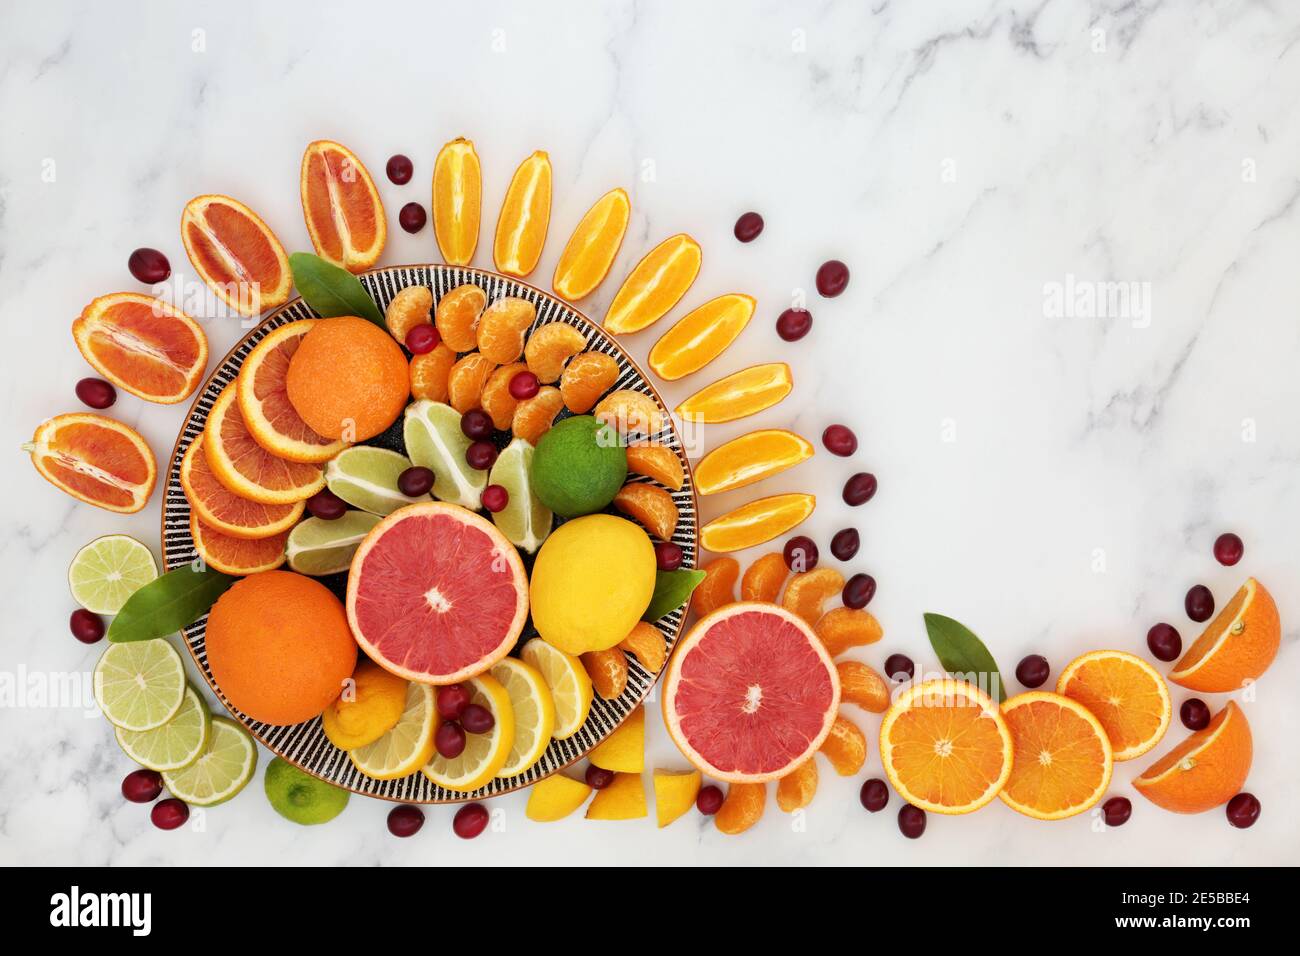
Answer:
(457, 201)
(236, 254)
(248, 469)
(1125, 693)
(96, 460)
(222, 509)
(436, 593)
(344, 214)
(1063, 760)
(1206, 770)
(232, 555)
(264, 399)
(700, 337)
(1236, 647)
(525, 215)
(142, 345)
(655, 285)
(750, 693)
(591, 249)
(740, 394)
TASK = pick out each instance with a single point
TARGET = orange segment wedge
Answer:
(591, 249)
(248, 469)
(764, 579)
(701, 336)
(718, 589)
(655, 285)
(231, 555)
(142, 345)
(96, 460)
(236, 254)
(550, 347)
(658, 462)
(757, 522)
(750, 458)
(1236, 647)
(525, 215)
(341, 206)
(430, 373)
(631, 412)
(743, 393)
(1125, 693)
(222, 510)
(1206, 770)
(457, 201)
(1063, 760)
(808, 592)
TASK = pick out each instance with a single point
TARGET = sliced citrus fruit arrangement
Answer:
(591, 249)
(484, 754)
(408, 746)
(142, 345)
(655, 285)
(534, 713)
(701, 336)
(108, 570)
(232, 555)
(245, 467)
(434, 440)
(318, 547)
(366, 477)
(341, 206)
(569, 684)
(1063, 761)
(236, 254)
(457, 201)
(95, 459)
(750, 693)
(555, 797)
(945, 746)
(224, 768)
(1125, 693)
(757, 522)
(675, 793)
(525, 216)
(738, 395)
(140, 685)
(177, 743)
(749, 459)
(221, 509)
(1204, 771)
(1236, 647)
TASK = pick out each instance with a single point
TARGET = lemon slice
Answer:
(484, 754)
(534, 711)
(408, 746)
(431, 431)
(366, 478)
(139, 685)
(177, 743)
(317, 546)
(109, 570)
(223, 768)
(570, 686)
(524, 520)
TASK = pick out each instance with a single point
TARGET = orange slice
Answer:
(757, 522)
(743, 393)
(655, 285)
(750, 458)
(231, 555)
(344, 214)
(701, 336)
(1236, 647)
(222, 510)
(236, 254)
(248, 469)
(591, 249)
(658, 462)
(1206, 770)
(945, 746)
(1063, 760)
(457, 201)
(457, 314)
(550, 347)
(1125, 693)
(142, 345)
(525, 215)
(585, 379)
(264, 399)
(96, 460)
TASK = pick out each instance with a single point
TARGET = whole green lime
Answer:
(579, 466)
(300, 797)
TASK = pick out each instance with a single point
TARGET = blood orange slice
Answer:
(232, 555)
(264, 399)
(750, 693)
(344, 214)
(142, 345)
(236, 254)
(436, 593)
(248, 469)
(95, 459)
(222, 509)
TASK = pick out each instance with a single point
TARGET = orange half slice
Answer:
(248, 469)
(1236, 647)
(96, 460)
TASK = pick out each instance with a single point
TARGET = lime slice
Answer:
(434, 439)
(320, 547)
(175, 744)
(524, 519)
(534, 710)
(366, 478)
(139, 685)
(222, 769)
(484, 754)
(109, 570)
(570, 686)
(408, 746)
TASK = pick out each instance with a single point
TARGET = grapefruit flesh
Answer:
(436, 593)
(750, 693)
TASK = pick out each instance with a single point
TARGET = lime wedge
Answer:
(175, 744)
(141, 684)
(109, 570)
(221, 771)
(366, 478)
(524, 519)
(320, 547)
(434, 439)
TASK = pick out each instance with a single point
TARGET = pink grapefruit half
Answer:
(436, 594)
(750, 693)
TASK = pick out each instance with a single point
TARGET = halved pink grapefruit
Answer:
(436, 593)
(750, 693)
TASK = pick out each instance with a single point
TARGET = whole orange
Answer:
(279, 646)
(348, 379)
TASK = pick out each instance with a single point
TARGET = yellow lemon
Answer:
(369, 707)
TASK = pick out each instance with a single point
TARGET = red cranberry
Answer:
(845, 544)
(1033, 671)
(858, 591)
(149, 265)
(840, 440)
(400, 168)
(415, 481)
(1228, 549)
(748, 226)
(832, 278)
(524, 385)
(1243, 810)
(1116, 811)
(452, 699)
(477, 719)
(405, 821)
(1195, 714)
(470, 821)
(860, 489)
(477, 425)
(422, 338)
(495, 498)
(800, 553)
(96, 393)
(1164, 642)
(874, 795)
(481, 455)
(1199, 603)
(709, 800)
(598, 778)
(169, 814)
(142, 786)
(449, 739)
(668, 556)
(899, 667)
(794, 324)
(911, 821)
(86, 627)
(326, 505)
(412, 217)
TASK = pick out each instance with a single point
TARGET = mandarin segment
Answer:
(862, 684)
(845, 747)
(607, 670)
(534, 416)
(457, 314)
(646, 643)
(808, 591)
(502, 327)
(764, 578)
(649, 504)
(591, 249)
(409, 308)
(843, 627)
(630, 412)
(742, 808)
(796, 789)
(525, 216)
(550, 347)
(585, 379)
(658, 462)
(718, 589)
(466, 379)
(739, 395)
(496, 399)
(430, 373)
(457, 201)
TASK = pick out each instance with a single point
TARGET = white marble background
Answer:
(1056, 483)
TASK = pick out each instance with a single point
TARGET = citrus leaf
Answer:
(963, 655)
(168, 603)
(672, 589)
(330, 290)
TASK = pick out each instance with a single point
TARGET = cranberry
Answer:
(860, 489)
(1164, 642)
(405, 821)
(1243, 810)
(668, 556)
(899, 667)
(1116, 811)
(422, 338)
(481, 455)
(709, 800)
(326, 505)
(1228, 549)
(801, 553)
(477, 425)
(470, 821)
(1195, 713)
(149, 265)
(874, 795)
(840, 440)
(412, 217)
(86, 627)
(96, 393)
(477, 719)
(794, 324)
(845, 544)
(832, 278)
(399, 169)
(452, 700)
(169, 814)
(415, 481)
(1199, 603)
(1032, 671)
(598, 778)
(911, 821)
(524, 385)
(449, 739)
(748, 226)
(495, 498)
(858, 591)
(142, 786)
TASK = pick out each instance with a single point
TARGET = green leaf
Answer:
(672, 589)
(963, 655)
(167, 604)
(330, 290)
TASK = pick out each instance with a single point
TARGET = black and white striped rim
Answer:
(306, 744)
